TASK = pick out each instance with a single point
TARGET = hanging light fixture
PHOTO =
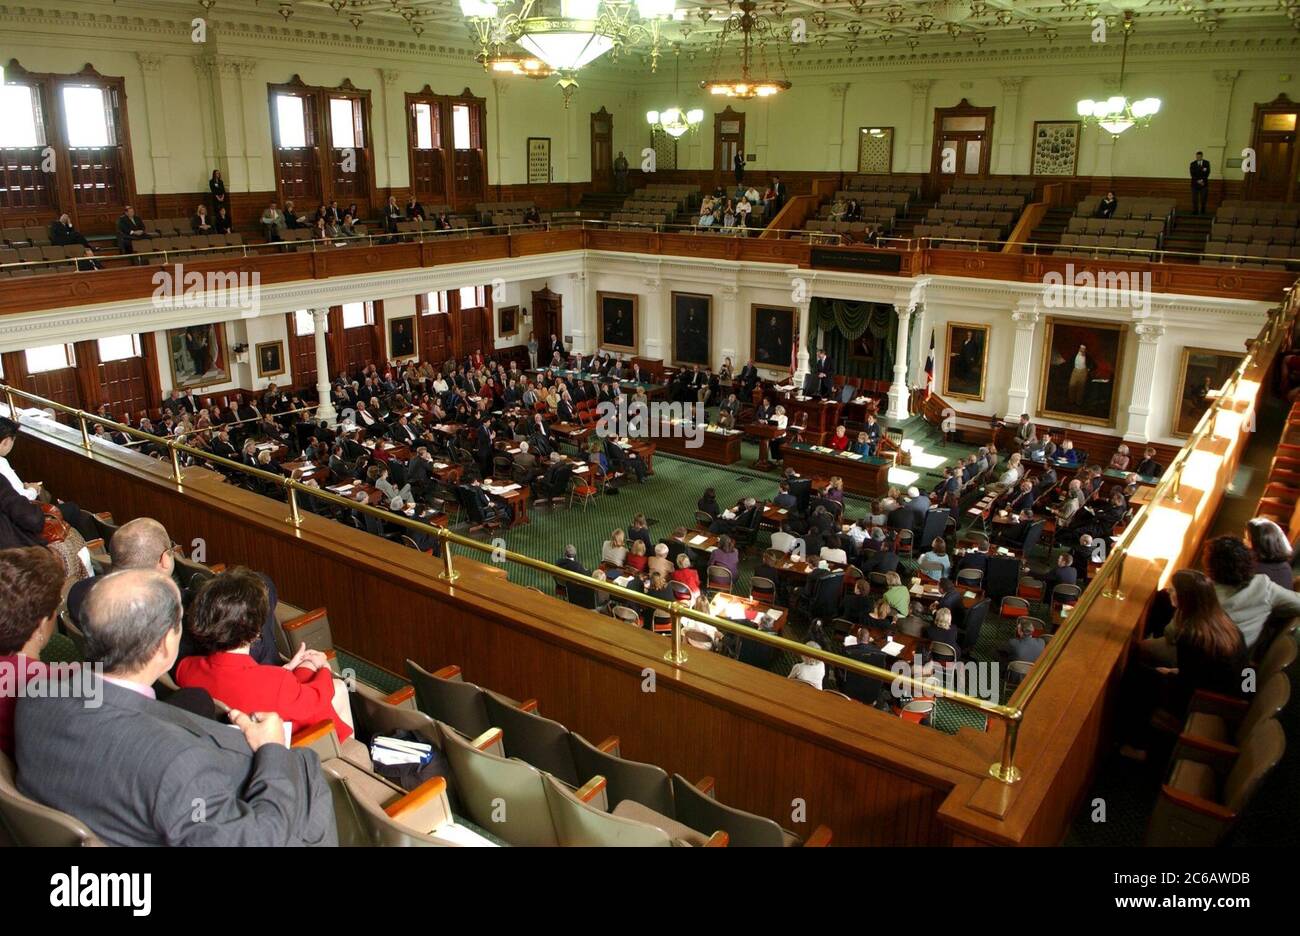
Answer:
(745, 21)
(1117, 113)
(674, 121)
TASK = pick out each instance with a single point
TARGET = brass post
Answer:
(85, 433)
(448, 573)
(9, 401)
(176, 462)
(676, 655)
(294, 516)
(1115, 589)
(1005, 770)
(1175, 493)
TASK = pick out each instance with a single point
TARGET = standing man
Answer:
(1079, 371)
(1200, 172)
(620, 172)
(824, 375)
(778, 189)
(738, 162)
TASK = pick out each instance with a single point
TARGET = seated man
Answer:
(743, 520)
(165, 763)
(1063, 573)
(1024, 647)
(555, 482)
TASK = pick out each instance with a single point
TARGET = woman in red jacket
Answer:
(840, 441)
(686, 575)
(226, 616)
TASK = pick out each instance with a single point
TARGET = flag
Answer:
(794, 356)
(929, 368)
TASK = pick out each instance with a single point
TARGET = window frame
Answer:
(69, 358)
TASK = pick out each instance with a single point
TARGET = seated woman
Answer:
(857, 605)
(896, 594)
(686, 575)
(1066, 453)
(943, 631)
(882, 616)
(1119, 461)
(657, 587)
(708, 503)
(938, 555)
(840, 441)
(780, 420)
(835, 490)
(636, 557)
(31, 584)
(862, 446)
(596, 451)
(224, 619)
(726, 555)
(614, 550)
(1271, 551)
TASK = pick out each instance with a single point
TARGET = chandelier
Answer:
(674, 121)
(564, 35)
(1117, 113)
(745, 21)
(521, 65)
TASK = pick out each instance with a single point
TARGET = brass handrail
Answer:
(1010, 713)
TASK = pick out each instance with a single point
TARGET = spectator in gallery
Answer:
(1106, 207)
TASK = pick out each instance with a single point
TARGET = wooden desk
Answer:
(765, 433)
(821, 416)
(718, 448)
(573, 433)
(516, 497)
(738, 607)
(867, 475)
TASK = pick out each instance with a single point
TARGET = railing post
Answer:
(9, 401)
(448, 573)
(294, 516)
(1005, 770)
(85, 433)
(1115, 589)
(676, 655)
(176, 462)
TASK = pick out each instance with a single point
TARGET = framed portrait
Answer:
(772, 335)
(1056, 147)
(1081, 368)
(865, 347)
(539, 160)
(1201, 372)
(967, 360)
(508, 321)
(692, 329)
(270, 358)
(617, 314)
(401, 338)
(197, 354)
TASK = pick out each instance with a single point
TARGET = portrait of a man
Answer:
(773, 332)
(692, 332)
(963, 378)
(401, 337)
(1082, 366)
(270, 358)
(1201, 373)
(198, 356)
(618, 321)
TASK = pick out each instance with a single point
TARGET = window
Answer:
(119, 348)
(356, 314)
(345, 127)
(460, 127)
(49, 358)
(305, 324)
(19, 123)
(423, 114)
(472, 297)
(435, 303)
(85, 113)
(291, 121)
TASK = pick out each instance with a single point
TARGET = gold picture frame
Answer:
(1093, 398)
(955, 349)
(1216, 367)
(403, 343)
(686, 349)
(197, 356)
(771, 343)
(508, 321)
(270, 365)
(618, 324)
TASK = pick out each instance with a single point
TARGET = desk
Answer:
(747, 610)
(516, 498)
(821, 416)
(573, 433)
(765, 433)
(866, 475)
(718, 448)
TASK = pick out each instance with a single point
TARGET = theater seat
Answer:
(582, 819)
(25, 822)
(698, 809)
(1222, 720)
(507, 796)
(625, 779)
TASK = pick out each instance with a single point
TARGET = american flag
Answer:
(929, 368)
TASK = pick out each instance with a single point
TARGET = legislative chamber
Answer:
(595, 423)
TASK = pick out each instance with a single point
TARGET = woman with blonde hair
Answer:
(614, 550)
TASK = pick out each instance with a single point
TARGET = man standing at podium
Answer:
(823, 374)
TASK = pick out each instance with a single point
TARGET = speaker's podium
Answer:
(765, 433)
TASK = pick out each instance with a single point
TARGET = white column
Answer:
(898, 393)
(1018, 389)
(1139, 410)
(805, 337)
(1008, 128)
(835, 127)
(917, 159)
(156, 112)
(653, 320)
(726, 325)
(1215, 147)
(582, 331)
(392, 115)
(326, 409)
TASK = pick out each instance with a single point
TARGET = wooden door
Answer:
(435, 335)
(728, 140)
(602, 151)
(548, 318)
(963, 140)
(1277, 158)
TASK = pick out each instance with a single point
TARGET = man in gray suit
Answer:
(139, 772)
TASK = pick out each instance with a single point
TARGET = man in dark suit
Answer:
(1024, 647)
(62, 233)
(1199, 169)
(919, 505)
(748, 378)
(1063, 574)
(778, 189)
(166, 763)
(130, 229)
(1022, 498)
(784, 499)
(581, 595)
(402, 433)
(822, 371)
(554, 482)
(977, 558)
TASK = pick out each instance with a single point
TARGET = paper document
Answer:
(891, 648)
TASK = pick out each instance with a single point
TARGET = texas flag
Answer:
(929, 368)
(794, 356)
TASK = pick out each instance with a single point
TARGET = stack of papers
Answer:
(393, 751)
(698, 540)
(891, 648)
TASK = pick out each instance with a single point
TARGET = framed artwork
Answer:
(539, 160)
(692, 329)
(1056, 147)
(508, 321)
(875, 150)
(270, 358)
(772, 335)
(617, 314)
(866, 347)
(966, 362)
(197, 354)
(1201, 372)
(401, 338)
(1082, 364)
